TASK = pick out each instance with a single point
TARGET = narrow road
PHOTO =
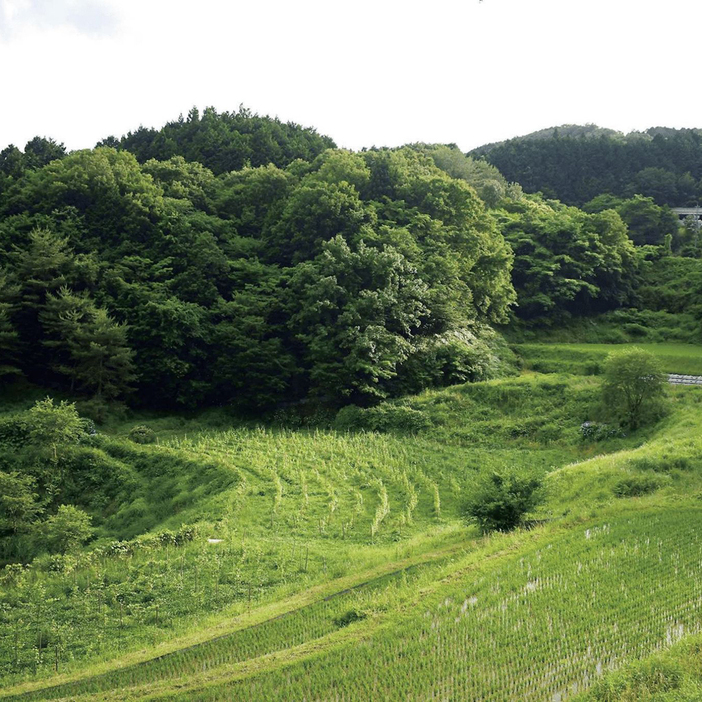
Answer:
(676, 379)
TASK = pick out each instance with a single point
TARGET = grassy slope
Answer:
(297, 510)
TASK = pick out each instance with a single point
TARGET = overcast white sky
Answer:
(369, 72)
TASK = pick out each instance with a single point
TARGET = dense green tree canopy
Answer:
(226, 141)
(231, 259)
(648, 223)
(250, 287)
(567, 261)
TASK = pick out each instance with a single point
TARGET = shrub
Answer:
(353, 615)
(637, 485)
(88, 426)
(597, 431)
(382, 418)
(636, 330)
(67, 529)
(502, 499)
(141, 434)
(54, 425)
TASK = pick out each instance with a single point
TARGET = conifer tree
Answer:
(62, 318)
(37, 270)
(42, 267)
(102, 357)
(88, 346)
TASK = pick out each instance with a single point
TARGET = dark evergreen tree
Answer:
(38, 152)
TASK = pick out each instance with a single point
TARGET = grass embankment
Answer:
(588, 359)
(531, 615)
(624, 326)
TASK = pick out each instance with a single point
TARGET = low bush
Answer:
(598, 431)
(383, 418)
(353, 615)
(501, 500)
(636, 485)
(141, 434)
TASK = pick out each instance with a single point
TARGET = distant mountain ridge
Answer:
(585, 131)
(575, 163)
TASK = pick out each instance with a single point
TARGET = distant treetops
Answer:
(575, 163)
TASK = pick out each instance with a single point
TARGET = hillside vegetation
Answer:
(281, 421)
(352, 277)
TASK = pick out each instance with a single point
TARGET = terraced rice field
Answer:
(588, 358)
(336, 567)
(542, 626)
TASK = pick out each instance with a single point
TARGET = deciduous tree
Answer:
(633, 386)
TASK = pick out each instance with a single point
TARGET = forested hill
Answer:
(576, 163)
(221, 142)
(348, 277)
(225, 141)
(303, 272)
(586, 131)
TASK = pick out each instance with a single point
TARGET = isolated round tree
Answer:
(633, 386)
